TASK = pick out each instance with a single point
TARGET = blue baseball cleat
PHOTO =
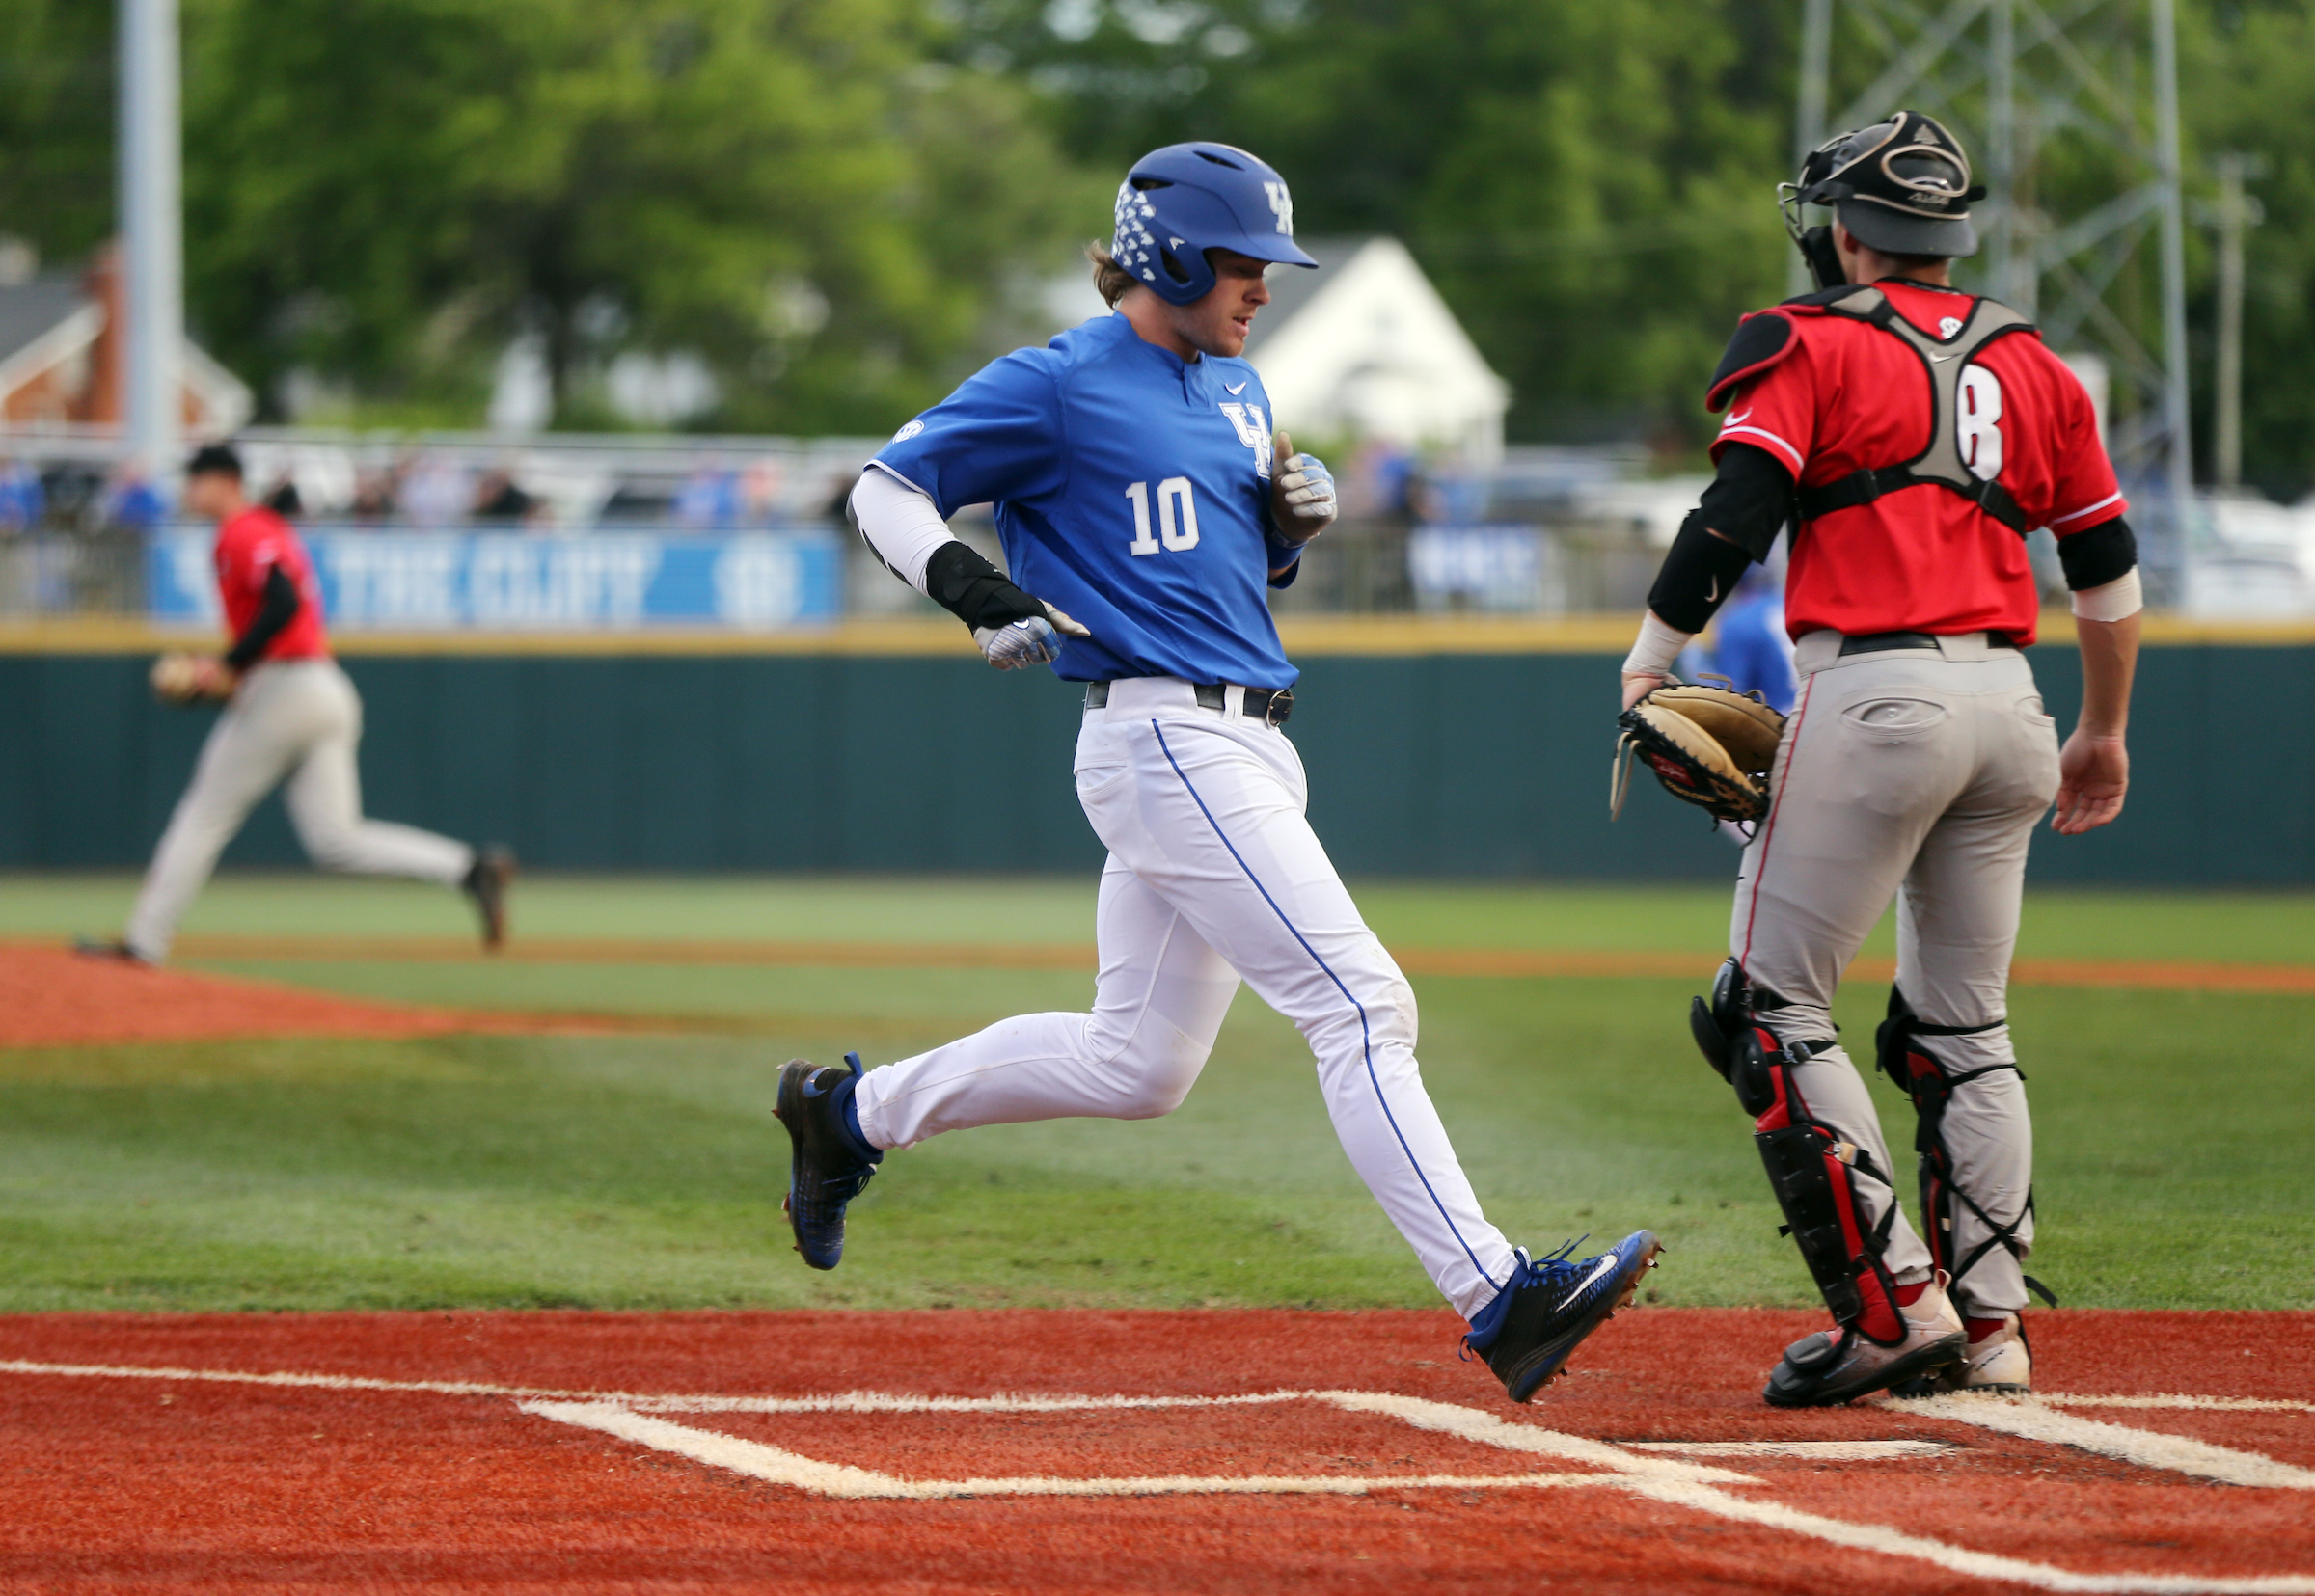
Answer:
(1550, 1305)
(829, 1167)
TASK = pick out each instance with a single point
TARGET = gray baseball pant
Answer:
(1920, 772)
(295, 717)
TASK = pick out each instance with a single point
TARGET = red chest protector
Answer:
(1765, 338)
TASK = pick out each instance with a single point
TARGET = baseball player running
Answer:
(1144, 499)
(291, 712)
(1916, 434)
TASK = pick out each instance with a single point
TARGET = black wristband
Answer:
(2105, 553)
(1697, 576)
(961, 581)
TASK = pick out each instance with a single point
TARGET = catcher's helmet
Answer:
(1186, 199)
(1901, 186)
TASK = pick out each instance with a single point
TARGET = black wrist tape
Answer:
(961, 581)
(2106, 553)
(1697, 576)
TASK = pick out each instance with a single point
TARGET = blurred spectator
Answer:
(1378, 480)
(710, 498)
(134, 502)
(436, 492)
(373, 495)
(283, 498)
(1747, 642)
(759, 492)
(498, 499)
(24, 501)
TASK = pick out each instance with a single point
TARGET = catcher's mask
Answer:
(1900, 186)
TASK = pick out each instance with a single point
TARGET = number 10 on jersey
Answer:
(1176, 525)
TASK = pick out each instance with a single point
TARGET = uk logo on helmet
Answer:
(1282, 205)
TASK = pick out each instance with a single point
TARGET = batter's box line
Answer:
(1697, 1487)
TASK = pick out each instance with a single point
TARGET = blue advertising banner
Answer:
(410, 582)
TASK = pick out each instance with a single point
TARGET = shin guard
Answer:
(1810, 1168)
(1905, 1057)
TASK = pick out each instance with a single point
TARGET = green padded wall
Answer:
(1478, 765)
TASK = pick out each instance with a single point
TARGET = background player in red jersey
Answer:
(293, 713)
(1914, 434)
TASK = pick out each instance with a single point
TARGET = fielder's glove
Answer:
(189, 679)
(1302, 494)
(1032, 641)
(1709, 747)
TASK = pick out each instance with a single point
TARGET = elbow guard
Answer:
(1697, 576)
(2102, 553)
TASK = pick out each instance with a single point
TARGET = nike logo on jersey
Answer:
(1607, 1268)
(1734, 417)
(1234, 393)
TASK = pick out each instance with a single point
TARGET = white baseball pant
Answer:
(1214, 877)
(295, 717)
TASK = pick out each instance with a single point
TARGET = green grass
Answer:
(644, 1170)
(2247, 926)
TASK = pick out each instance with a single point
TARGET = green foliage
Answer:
(56, 123)
(1587, 184)
(388, 189)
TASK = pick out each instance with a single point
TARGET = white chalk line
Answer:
(1684, 1485)
(2035, 1421)
(2207, 1404)
(1634, 1472)
(1820, 1452)
(837, 1480)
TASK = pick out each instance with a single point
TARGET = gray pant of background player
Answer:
(1919, 774)
(299, 718)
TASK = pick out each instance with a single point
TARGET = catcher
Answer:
(1913, 434)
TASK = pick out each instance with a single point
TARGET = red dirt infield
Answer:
(954, 1451)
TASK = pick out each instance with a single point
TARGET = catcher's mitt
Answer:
(1709, 745)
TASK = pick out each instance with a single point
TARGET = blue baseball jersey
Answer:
(1132, 492)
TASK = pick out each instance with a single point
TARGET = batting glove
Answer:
(1302, 494)
(1020, 644)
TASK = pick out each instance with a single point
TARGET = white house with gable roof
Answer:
(1362, 347)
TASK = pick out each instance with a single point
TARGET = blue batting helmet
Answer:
(1181, 201)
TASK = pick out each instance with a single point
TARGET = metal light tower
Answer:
(2070, 110)
(153, 237)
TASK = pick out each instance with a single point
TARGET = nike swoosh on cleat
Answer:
(1607, 1265)
(1713, 597)
(811, 1087)
(1234, 393)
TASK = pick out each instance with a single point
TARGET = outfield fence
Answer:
(898, 750)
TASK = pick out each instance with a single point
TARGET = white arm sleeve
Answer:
(899, 522)
(2116, 601)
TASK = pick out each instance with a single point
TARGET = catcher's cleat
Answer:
(1551, 1304)
(826, 1171)
(486, 881)
(115, 949)
(1830, 1367)
(1999, 1363)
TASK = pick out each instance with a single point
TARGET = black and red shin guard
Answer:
(1811, 1169)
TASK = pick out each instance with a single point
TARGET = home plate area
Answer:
(1128, 1452)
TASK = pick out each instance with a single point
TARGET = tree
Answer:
(387, 190)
